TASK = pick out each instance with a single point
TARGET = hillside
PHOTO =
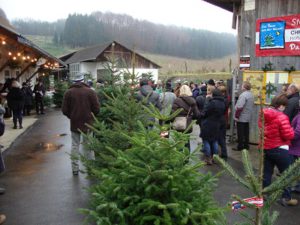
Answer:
(97, 28)
(170, 65)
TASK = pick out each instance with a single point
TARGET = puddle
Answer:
(48, 147)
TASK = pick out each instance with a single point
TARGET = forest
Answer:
(80, 30)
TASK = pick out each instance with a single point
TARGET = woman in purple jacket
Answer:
(294, 149)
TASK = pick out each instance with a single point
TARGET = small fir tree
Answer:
(59, 90)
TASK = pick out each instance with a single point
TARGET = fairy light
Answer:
(14, 58)
(28, 57)
(18, 54)
(9, 53)
(3, 42)
(23, 57)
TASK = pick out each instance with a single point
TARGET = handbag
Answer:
(181, 122)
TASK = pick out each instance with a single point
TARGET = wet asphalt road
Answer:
(41, 189)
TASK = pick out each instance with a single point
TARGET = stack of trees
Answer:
(142, 178)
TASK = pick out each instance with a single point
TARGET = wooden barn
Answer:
(268, 46)
(22, 59)
(94, 61)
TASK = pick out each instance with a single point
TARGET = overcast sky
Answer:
(187, 13)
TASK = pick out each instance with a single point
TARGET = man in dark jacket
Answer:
(79, 103)
(293, 101)
(39, 91)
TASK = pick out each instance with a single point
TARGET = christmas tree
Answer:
(142, 176)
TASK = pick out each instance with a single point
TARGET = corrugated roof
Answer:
(91, 53)
(224, 4)
(87, 54)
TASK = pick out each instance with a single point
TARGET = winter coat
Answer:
(244, 107)
(78, 105)
(293, 106)
(189, 106)
(39, 91)
(295, 144)
(28, 96)
(167, 99)
(196, 92)
(212, 117)
(278, 131)
(153, 97)
(15, 99)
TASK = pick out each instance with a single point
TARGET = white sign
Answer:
(249, 5)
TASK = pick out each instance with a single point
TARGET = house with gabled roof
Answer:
(94, 61)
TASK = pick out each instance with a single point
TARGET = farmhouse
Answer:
(268, 47)
(95, 61)
(22, 59)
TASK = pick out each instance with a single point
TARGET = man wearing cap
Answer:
(79, 103)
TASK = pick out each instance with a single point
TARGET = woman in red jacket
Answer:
(277, 137)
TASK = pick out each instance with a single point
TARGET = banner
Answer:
(278, 36)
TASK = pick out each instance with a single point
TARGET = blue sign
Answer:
(272, 35)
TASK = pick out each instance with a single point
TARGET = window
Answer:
(103, 74)
(74, 69)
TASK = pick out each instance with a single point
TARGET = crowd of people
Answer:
(209, 103)
(19, 100)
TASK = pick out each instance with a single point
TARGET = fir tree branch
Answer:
(230, 170)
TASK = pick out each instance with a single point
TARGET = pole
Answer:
(234, 78)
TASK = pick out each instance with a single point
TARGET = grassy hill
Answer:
(171, 66)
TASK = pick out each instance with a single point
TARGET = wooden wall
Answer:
(247, 28)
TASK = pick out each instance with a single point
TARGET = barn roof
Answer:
(9, 30)
(224, 4)
(92, 53)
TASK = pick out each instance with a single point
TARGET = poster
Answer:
(295, 77)
(278, 36)
(257, 81)
(274, 82)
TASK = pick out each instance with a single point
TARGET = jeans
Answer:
(210, 148)
(77, 140)
(243, 135)
(280, 158)
(17, 116)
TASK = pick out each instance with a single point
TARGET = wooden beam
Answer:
(24, 70)
(38, 70)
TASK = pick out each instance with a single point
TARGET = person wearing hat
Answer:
(80, 102)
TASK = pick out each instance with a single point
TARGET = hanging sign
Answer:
(278, 36)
